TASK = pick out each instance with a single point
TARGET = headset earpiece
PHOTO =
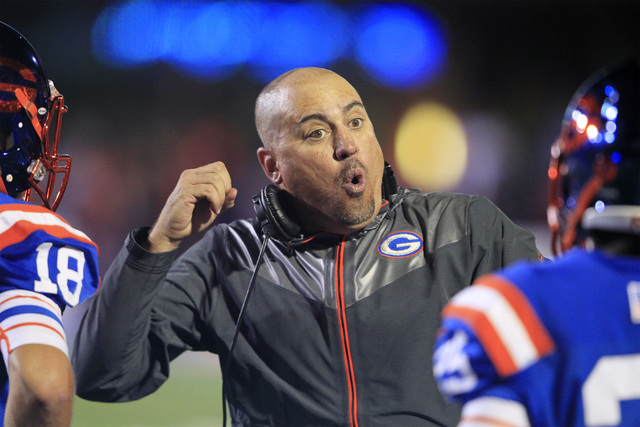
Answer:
(269, 207)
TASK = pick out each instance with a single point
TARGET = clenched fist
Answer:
(199, 197)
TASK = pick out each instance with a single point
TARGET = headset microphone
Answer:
(389, 183)
(268, 231)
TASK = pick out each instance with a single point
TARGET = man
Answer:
(345, 296)
(558, 343)
(45, 264)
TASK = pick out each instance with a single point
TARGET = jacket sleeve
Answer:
(134, 326)
(496, 241)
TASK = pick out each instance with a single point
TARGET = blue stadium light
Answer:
(209, 41)
(399, 45)
(125, 35)
(298, 35)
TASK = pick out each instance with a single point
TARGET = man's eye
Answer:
(318, 133)
(356, 123)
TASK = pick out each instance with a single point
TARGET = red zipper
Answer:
(344, 334)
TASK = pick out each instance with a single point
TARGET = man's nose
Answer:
(345, 145)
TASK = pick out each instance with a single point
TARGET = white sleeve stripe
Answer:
(504, 320)
(494, 411)
(9, 218)
(32, 328)
(29, 319)
(31, 334)
(16, 298)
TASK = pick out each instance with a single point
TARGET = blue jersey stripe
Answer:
(28, 309)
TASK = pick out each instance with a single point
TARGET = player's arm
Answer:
(465, 374)
(41, 387)
(35, 351)
(489, 333)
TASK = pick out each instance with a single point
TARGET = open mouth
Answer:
(354, 181)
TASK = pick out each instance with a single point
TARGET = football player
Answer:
(558, 343)
(45, 264)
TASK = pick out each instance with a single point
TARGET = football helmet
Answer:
(31, 112)
(594, 172)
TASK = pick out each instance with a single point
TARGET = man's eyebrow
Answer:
(322, 117)
(352, 105)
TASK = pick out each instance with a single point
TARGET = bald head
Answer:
(320, 147)
(274, 101)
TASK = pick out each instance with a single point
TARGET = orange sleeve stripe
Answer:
(536, 330)
(502, 323)
(491, 341)
(45, 301)
(21, 229)
(19, 325)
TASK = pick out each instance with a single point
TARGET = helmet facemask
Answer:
(45, 169)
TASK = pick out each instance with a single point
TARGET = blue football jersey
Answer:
(550, 344)
(41, 252)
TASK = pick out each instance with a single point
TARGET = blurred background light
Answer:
(296, 35)
(616, 157)
(208, 46)
(490, 152)
(431, 147)
(398, 46)
(126, 35)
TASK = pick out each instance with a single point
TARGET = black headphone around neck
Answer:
(270, 206)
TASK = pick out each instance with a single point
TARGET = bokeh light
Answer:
(398, 45)
(207, 43)
(296, 35)
(121, 38)
(431, 147)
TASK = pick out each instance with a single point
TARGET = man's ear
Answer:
(269, 165)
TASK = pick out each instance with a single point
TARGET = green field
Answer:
(191, 397)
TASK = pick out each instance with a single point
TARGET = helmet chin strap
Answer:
(30, 108)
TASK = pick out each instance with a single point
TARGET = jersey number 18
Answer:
(67, 272)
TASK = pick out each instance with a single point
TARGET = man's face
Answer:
(327, 155)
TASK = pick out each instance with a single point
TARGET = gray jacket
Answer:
(339, 330)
